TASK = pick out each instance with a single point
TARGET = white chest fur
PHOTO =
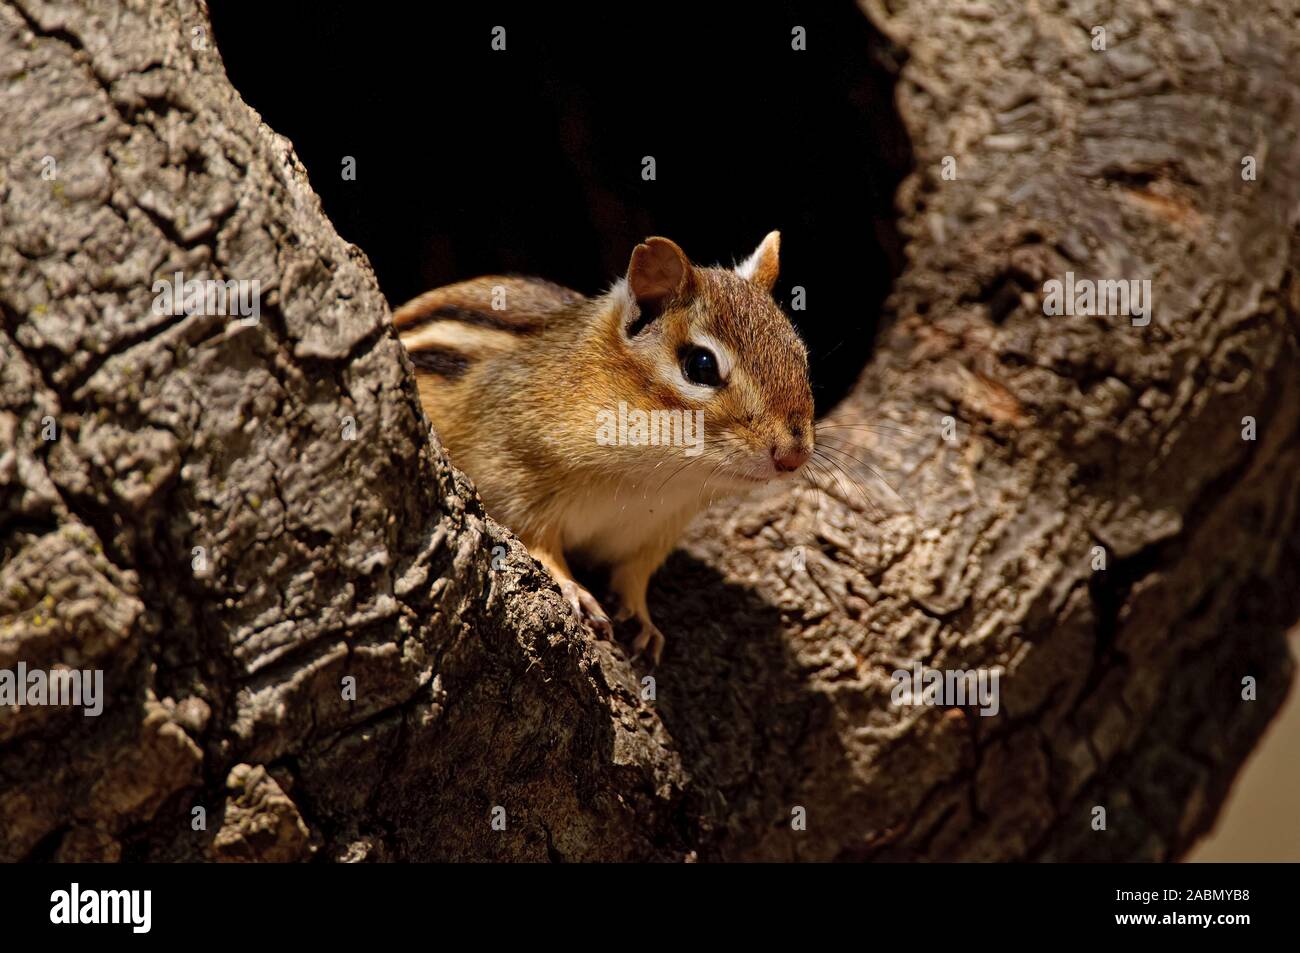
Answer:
(609, 526)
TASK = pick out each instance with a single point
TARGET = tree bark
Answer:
(203, 531)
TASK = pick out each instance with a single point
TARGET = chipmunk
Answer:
(519, 376)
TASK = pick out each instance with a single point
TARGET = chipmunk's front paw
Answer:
(587, 609)
(651, 637)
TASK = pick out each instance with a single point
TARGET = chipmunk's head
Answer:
(713, 340)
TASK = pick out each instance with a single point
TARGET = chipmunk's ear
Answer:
(658, 270)
(761, 267)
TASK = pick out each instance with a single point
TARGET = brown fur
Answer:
(518, 413)
(528, 300)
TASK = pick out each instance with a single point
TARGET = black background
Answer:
(471, 161)
(911, 906)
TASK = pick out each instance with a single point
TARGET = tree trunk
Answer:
(203, 529)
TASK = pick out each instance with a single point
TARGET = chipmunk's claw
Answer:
(649, 636)
(587, 609)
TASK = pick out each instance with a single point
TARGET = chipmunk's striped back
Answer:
(449, 329)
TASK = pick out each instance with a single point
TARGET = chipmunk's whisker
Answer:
(842, 476)
(685, 464)
(873, 428)
(814, 467)
(823, 493)
(867, 466)
(836, 468)
(721, 463)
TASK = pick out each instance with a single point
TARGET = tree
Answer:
(315, 643)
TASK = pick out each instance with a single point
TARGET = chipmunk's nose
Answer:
(791, 459)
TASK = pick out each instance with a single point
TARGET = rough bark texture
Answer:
(371, 558)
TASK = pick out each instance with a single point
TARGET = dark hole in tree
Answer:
(471, 161)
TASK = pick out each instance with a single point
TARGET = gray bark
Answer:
(329, 558)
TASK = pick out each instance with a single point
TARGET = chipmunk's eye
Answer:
(700, 366)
